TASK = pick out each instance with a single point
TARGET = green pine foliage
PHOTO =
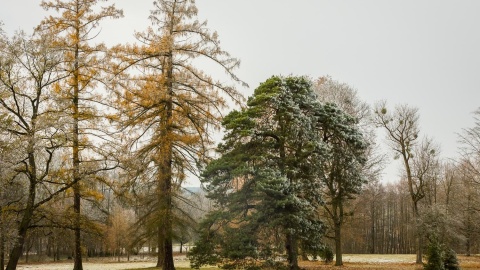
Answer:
(434, 256)
(440, 257)
(266, 183)
(203, 253)
(327, 254)
(450, 260)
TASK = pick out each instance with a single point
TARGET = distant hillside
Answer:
(194, 189)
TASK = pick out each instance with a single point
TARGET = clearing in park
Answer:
(352, 262)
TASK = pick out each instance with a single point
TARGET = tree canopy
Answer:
(267, 181)
(169, 108)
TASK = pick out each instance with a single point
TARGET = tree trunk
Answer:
(413, 195)
(2, 245)
(166, 229)
(57, 250)
(338, 244)
(372, 251)
(291, 246)
(468, 247)
(39, 247)
(78, 242)
(54, 254)
(160, 240)
(419, 246)
(469, 224)
(16, 252)
(418, 235)
(165, 164)
(76, 155)
(168, 264)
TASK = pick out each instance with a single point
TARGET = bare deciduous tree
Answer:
(470, 146)
(401, 126)
(29, 70)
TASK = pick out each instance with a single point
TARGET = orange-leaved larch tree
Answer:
(169, 106)
(74, 28)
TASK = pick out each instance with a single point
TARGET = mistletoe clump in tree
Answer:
(266, 183)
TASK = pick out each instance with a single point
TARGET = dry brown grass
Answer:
(403, 262)
(351, 262)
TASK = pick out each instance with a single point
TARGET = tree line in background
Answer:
(96, 143)
(383, 220)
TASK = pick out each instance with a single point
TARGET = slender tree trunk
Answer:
(76, 156)
(78, 242)
(291, 246)
(2, 256)
(418, 235)
(16, 252)
(468, 247)
(2, 244)
(39, 247)
(57, 250)
(338, 244)
(372, 251)
(53, 251)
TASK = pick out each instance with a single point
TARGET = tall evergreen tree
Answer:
(342, 172)
(169, 107)
(265, 183)
(347, 168)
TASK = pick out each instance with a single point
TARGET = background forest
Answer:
(99, 145)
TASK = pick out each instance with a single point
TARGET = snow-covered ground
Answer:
(87, 266)
(380, 258)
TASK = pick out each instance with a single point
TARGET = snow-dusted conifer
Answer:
(266, 182)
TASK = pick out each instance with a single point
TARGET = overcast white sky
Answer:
(423, 53)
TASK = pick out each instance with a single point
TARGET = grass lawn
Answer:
(351, 262)
(375, 261)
